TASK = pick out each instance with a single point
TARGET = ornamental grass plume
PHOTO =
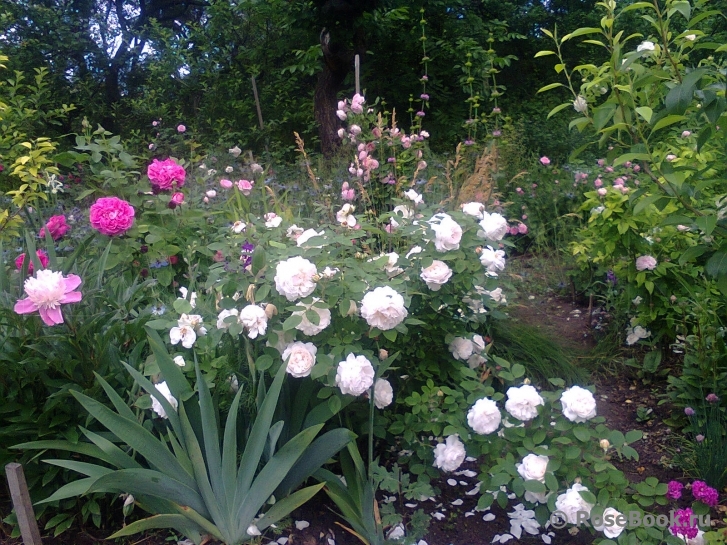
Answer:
(46, 292)
(111, 216)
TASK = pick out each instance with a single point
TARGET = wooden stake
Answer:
(357, 66)
(257, 104)
(23, 507)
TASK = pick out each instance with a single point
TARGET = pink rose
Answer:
(225, 183)
(57, 227)
(544, 160)
(165, 175)
(645, 262)
(42, 257)
(181, 128)
(112, 216)
(178, 198)
(522, 229)
(245, 186)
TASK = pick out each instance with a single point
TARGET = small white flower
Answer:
(609, 525)
(494, 226)
(345, 215)
(308, 234)
(239, 226)
(497, 295)
(156, 406)
(461, 348)
(254, 319)
(571, 502)
(383, 393)
(183, 333)
(448, 456)
(646, 45)
(474, 209)
(211, 193)
(294, 232)
(635, 334)
(329, 273)
(492, 260)
(229, 169)
(235, 152)
(256, 168)
(403, 211)
(691, 37)
(272, 220)
(415, 250)
(355, 375)
(413, 196)
(580, 105)
(192, 298)
(308, 327)
(179, 360)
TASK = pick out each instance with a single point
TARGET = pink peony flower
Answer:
(544, 160)
(112, 216)
(522, 229)
(598, 182)
(178, 198)
(46, 292)
(57, 227)
(513, 230)
(42, 257)
(164, 175)
(645, 262)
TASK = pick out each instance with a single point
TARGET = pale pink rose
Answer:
(181, 128)
(57, 227)
(522, 229)
(178, 198)
(544, 160)
(46, 292)
(164, 175)
(42, 257)
(602, 191)
(111, 216)
(645, 262)
(245, 186)
(225, 183)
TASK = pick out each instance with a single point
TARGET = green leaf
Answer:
(667, 121)
(550, 86)
(210, 434)
(645, 112)
(543, 53)
(683, 7)
(706, 223)
(179, 522)
(580, 32)
(288, 504)
(621, 159)
(717, 264)
(558, 109)
(603, 114)
(70, 490)
(534, 486)
(652, 361)
(680, 96)
(582, 433)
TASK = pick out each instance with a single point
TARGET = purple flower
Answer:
(712, 398)
(246, 254)
(683, 527)
(611, 278)
(420, 114)
(674, 491)
(496, 133)
(689, 411)
(705, 493)
(424, 96)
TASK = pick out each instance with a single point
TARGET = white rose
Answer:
(293, 232)
(156, 406)
(184, 333)
(645, 46)
(272, 220)
(254, 319)
(294, 278)
(221, 323)
(414, 196)
(300, 358)
(415, 250)
(461, 348)
(609, 526)
(492, 260)
(571, 502)
(390, 266)
(355, 375)
(496, 295)
(447, 232)
(308, 327)
(484, 417)
(533, 467)
(635, 334)
(522, 403)
(179, 360)
(436, 275)
(308, 234)
(383, 308)
(494, 226)
(449, 456)
(578, 404)
(475, 209)
(475, 360)
(383, 393)
(345, 215)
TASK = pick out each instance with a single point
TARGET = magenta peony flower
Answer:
(46, 292)
(42, 257)
(164, 175)
(57, 227)
(112, 216)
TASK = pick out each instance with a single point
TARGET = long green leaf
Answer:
(274, 471)
(80, 250)
(256, 442)
(178, 522)
(336, 489)
(86, 449)
(220, 518)
(288, 504)
(137, 437)
(70, 490)
(84, 468)
(172, 373)
(211, 438)
(229, 452)
(102, 265)
(121, 407)
(150, 483)
(111, 452)
(323, 448)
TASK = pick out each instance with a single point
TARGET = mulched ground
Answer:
(618, 398)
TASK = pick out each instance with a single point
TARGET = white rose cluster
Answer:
(355, 375)
(436, 275)
(522, 402)
(579, 405)
(484, 416)
(294, 278)
(448, 456)
(300, 358)
(473, 350)
(383, 308)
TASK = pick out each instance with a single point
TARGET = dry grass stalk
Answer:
(301, 149)
(480, 185)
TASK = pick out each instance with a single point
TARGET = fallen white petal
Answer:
(302, 524)
(331, 541)
(469, 514)
(470, 459)
(467, 473)
(457, 502)
(487, 517)
(463, 483)
(282, 540)
(451, 482)
(438, 515)
(252, 530)
(546, 538)
(410, 505)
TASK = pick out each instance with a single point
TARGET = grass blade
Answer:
(288, 504)
(178, 522)
(229, 452)
(211, 438)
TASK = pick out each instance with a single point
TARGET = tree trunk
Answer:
(336, 65)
